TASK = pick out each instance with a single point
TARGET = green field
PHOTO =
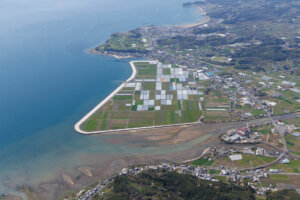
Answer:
(129, 42)
(255, 160)
(293, 143)
(274, 179)
(122, 97)
(202, 162)
(124, 110)
(247, 161)
(292, 167)
(221, 178)
(91, 125)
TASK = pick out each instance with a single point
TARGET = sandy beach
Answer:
(204, 21)
(94, 51)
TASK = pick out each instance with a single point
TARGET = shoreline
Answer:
(77, 126)
(89, 114)
(206, 19)
(94, 51)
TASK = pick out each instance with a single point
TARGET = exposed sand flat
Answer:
(67, 179)
(86, 170)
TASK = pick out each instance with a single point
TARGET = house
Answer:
(285, 161)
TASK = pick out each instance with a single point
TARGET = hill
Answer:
(154, 184)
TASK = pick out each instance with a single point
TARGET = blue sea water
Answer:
(48, 80)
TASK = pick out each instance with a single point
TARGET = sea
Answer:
(49, 80)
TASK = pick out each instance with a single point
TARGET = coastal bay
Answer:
(49, 81)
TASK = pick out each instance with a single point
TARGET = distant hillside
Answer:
(172, 185)
(283, 195)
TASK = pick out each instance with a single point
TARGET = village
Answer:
(173, 93)
(261, 163)
(227, 174)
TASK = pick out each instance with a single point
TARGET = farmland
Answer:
(160, 94)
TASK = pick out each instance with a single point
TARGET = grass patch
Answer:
(166, 71)
(213, 171)
(179, 104)
(134, 107)
(122, 97)
(256, 160)
(221, 178)
(148, 85)
(202, 162)
(104, 124)
(292, 167)
(257, 113)
(139, 124)
(91, 125)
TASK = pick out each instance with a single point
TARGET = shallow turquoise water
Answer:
(48, 81)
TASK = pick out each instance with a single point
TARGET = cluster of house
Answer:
(241, 135)
(284, 85)
(282, 128)
(231, 174)
(232, 151)
(93, 191)
(233, 87)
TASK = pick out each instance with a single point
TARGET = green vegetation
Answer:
(202, 162)
(122, 110)
(122, 97)
(283, 195)
(247, 161)
(166, 117)
(103, 125)
(130, 42)
(166, 185)
(292, 167)
(221, 178)
(254, 160)
(257, 113)
(167, 71)
(213, 171)
(146, 70)
(275, 178)
(293, 143)
(265, 129)
(148, 85)
(91, 125)
(172, 185)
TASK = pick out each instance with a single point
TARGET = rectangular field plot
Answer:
(216, 116)
(146, 70)
(141, 119)
(122, 97)
(148, 86)
(166, 118)
(120, 106)
(116, 124)
(119, 115)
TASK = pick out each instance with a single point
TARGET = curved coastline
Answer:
(77, 126)
(89, 114)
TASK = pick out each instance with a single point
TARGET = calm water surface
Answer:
(48, 81)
